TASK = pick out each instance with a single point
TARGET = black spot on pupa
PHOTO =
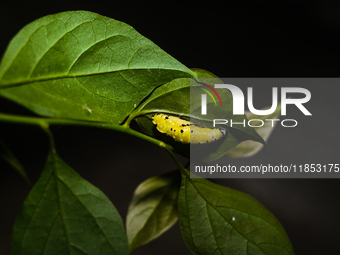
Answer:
(182, 131)
(207, 141)
(153, 115)
(174, 130)
(166, 117)
(192, 131)
(170, 129)
(183, 125)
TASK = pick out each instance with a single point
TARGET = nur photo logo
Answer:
(238, 105)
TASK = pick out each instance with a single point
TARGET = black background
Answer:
(242, 39)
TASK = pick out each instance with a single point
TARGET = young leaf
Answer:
(250, 148)
(219, 220)
(81, 65)
(153, 208)
(65, 214)
(7, 155)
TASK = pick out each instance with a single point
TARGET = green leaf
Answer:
(219, 220)
(7, 155)
(153, 208)
(65, 214)
(173, 98)
(250, 148)
(82, 65)
(176, 98)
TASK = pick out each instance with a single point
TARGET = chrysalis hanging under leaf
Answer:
(185, 132)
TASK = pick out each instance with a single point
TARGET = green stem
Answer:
(46, 122)
(168, 148)
(46, 128)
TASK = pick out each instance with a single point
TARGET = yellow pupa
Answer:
(184, 132)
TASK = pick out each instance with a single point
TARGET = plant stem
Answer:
(46, 129)
(46, 122)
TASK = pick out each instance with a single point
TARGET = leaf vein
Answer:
(16, 56)
(68, 32)
(208, 202)
(95, 219)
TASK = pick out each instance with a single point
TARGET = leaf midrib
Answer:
(101, 230)
(13, 84)
(55, 175)
(57, 179)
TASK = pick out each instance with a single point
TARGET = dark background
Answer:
(244, 39)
